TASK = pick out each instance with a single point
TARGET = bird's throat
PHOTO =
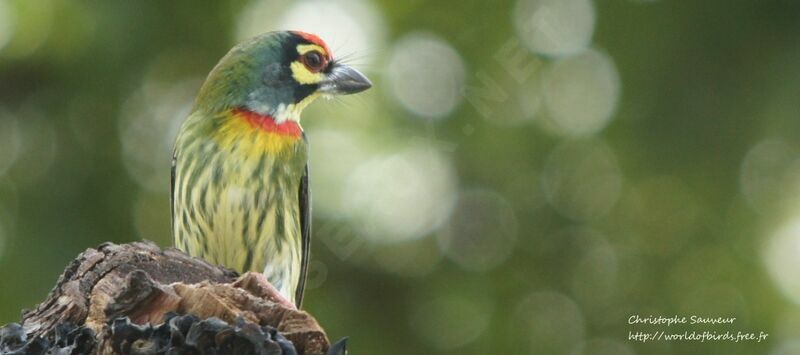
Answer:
(249, 135)
(268, 123)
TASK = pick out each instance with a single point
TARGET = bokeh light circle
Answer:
(401, 196)
(554, 27)
(426, 75)
(482, 231)
(580, 94)
(767, 171)
(582, 179)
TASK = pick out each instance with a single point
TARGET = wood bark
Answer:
(141, 284)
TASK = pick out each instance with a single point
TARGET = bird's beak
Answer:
(344, 80)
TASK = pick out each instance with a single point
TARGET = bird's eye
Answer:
(314, 61)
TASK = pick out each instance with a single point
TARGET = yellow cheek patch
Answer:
(303, 75)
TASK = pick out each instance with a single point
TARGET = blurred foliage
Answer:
(519, 181)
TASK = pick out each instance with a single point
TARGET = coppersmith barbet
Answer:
(240, 194)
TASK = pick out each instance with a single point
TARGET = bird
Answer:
(240, 178)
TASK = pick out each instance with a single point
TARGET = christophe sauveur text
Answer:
(674, 320)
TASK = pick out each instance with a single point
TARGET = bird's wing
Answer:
(304, 197)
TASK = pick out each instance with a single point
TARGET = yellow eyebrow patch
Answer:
(305, 48)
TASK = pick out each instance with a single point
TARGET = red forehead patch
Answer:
(315, 40)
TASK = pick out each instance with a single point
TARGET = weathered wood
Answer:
(141, 283)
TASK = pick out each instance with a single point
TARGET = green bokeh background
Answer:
(682, 204)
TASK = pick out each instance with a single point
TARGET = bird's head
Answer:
(277, 74)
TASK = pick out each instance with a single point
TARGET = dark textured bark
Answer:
(139, 283)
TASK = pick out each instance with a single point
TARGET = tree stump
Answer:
(135, 298)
